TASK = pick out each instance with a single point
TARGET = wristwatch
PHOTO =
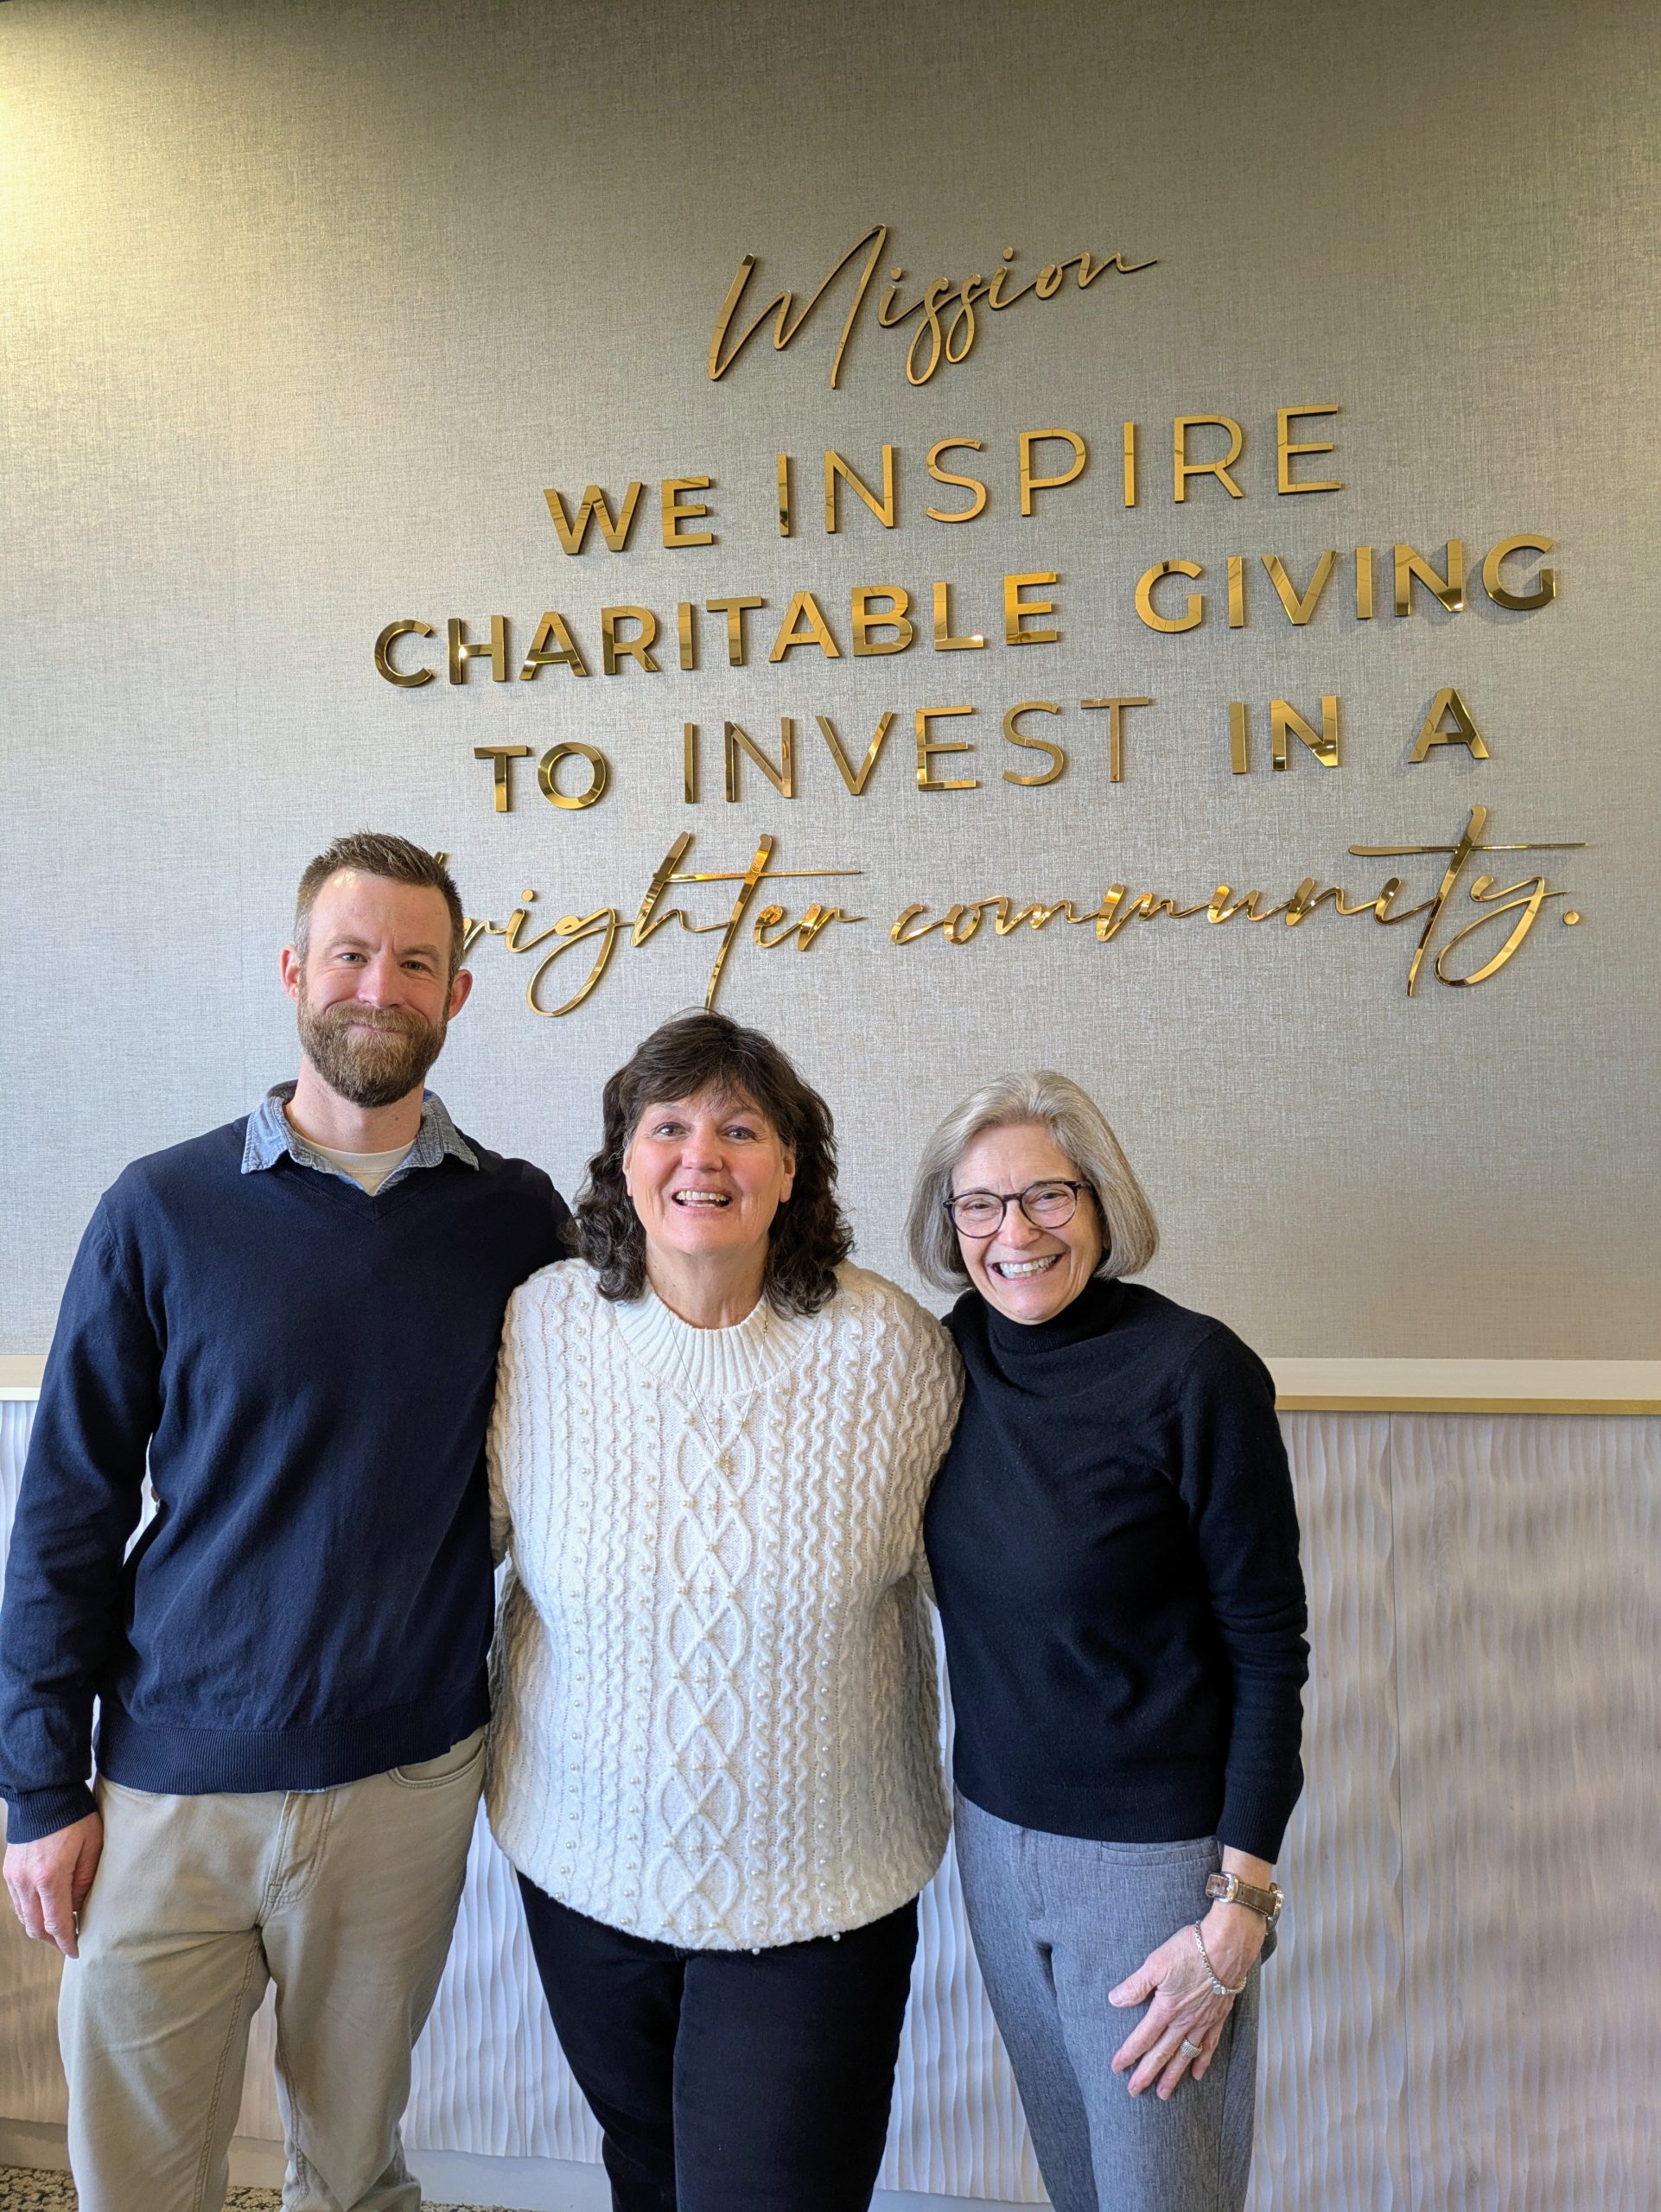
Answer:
(1229, 1889)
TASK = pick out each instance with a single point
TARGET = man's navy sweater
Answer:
(309, 1372)
(1115, 1549)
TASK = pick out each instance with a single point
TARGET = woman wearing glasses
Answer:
(1114, 1547)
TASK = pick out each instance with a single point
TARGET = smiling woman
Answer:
(1114, 1550)
(716, 1759)
(709, 1119)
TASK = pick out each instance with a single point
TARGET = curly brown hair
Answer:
(694, 1056)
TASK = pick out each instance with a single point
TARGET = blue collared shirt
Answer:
(271, 1134)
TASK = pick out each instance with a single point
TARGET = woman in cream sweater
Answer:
(715, 1758)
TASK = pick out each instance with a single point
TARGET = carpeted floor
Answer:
(24, 2190)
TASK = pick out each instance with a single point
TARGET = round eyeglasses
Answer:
(1046, 1205)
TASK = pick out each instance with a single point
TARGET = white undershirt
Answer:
(368, 1169)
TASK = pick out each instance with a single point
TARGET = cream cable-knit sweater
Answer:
(714, 1701)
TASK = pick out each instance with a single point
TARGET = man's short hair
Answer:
(373, 852)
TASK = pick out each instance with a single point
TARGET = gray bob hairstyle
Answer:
(1076, 1126)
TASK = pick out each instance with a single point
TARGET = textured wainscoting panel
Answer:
(1330, 2129)
(1466, 2014)
(259, 2116)
(1527, 1586)
(489, 2073)
(958, 2129)
(17, 1419)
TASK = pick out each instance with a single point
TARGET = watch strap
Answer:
(1229, 1889)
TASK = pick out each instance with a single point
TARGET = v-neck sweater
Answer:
(715, 1719)
(306, 1371)
(1115, 1551)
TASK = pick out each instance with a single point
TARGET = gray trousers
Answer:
(345, 1898)
(1058, 1921)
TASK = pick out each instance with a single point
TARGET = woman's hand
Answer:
(1184, 2023)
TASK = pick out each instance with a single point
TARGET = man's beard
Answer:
(368, 1067)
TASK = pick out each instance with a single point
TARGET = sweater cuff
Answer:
(33, 1813)
(1254, 1814)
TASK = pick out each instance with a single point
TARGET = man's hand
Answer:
(49, 1881)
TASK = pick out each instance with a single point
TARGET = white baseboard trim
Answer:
(445, 2176)
(33, 2142)
(460, 2178)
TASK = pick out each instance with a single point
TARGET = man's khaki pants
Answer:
(345, 1898)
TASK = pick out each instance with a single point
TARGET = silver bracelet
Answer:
(1219, 1988)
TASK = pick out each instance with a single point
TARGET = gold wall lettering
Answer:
(1154, 608)
(595, 507)
(407, 679)
(1493, 582)
(885, 507)
(603, 928)
(616, 648)
(1037, 468)
(1183, 468)
(551, 630)
(502, 788)
(499, 756)
(1287, 449)
(678, 511)
(1031, 481)
(978, 505)
(548, 776)
(878, 619)
(736, 607)
(929, 748)
(948, 328)
(1116, 708)
(1449, 720)
(462, 649)
(772, 927)
(877, 615)
(1462, 728)
(1285, 722)
(1057, 753)
(1213, 459)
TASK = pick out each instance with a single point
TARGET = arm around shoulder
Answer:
(537, 1312)
(921, 1365)
(505, 1411)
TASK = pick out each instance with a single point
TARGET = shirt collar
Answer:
(271, 1135)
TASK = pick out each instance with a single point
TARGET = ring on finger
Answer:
(1190, 2050)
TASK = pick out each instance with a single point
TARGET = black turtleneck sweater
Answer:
(1115, 1549)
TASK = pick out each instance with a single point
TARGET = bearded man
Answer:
(291, 1325)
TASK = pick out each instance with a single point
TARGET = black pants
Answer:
(730, 2081)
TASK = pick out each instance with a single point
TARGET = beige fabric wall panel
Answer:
(1333, 2090)
(307, 305)
(1528, 1591)
(1463, 2015)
